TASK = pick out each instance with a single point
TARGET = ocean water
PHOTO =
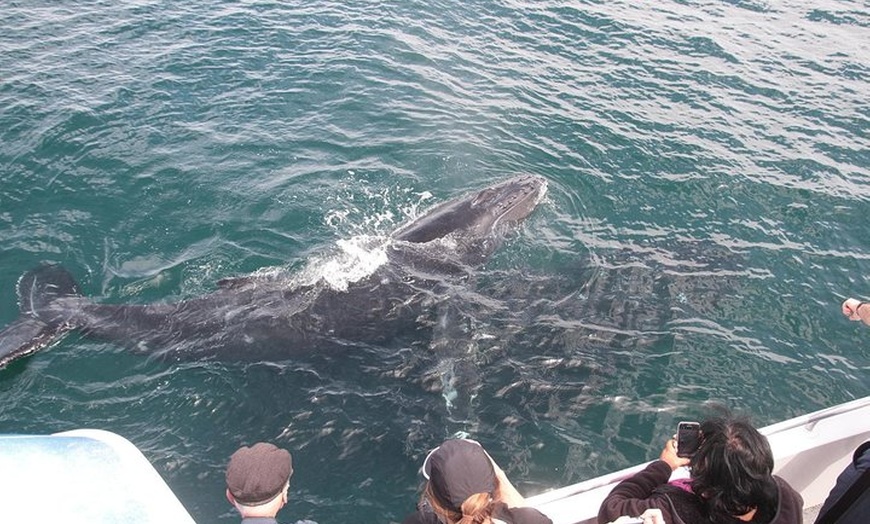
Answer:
(709, 191)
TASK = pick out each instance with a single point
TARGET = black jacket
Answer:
(859, 511)
(502, 513)
(649, 488)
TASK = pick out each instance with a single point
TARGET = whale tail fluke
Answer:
(31, 332)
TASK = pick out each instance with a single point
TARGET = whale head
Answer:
(477, 221)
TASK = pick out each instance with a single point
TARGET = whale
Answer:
(282, 314)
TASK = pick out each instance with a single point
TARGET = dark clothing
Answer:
(270, 520)
(502, 513)
(649, 488)
(859, 511)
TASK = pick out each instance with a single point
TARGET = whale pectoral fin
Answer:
(25, 336)
(40, 286)
(37, 290)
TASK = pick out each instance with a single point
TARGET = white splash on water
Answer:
(369, 216)
(353, 260)
(361, 209)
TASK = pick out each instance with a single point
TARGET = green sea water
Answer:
(709, 190)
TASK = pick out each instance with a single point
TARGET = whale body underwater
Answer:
(273, 316)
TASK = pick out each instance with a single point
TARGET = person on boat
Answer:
(849, 500)
(464, 486)
(856, 310)
(258, 478)
(731, 482)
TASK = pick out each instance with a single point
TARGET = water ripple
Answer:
(708, 168)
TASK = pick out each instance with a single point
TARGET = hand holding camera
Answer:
(679, 450)
(669, 455)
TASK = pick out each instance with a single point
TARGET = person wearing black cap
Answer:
(258, 478)
(466, 486)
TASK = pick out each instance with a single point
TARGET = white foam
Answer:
(353, 260)
(366, 215)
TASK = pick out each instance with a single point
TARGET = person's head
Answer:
(733, 468)
(461, 482)
(258, 478)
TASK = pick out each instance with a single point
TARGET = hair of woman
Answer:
(733, 470)
(476, 509)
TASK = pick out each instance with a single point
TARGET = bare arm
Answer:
(506, 492)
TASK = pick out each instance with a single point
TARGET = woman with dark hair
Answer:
(465, 486)
(731, 482)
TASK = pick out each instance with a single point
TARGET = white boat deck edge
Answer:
(83, 476)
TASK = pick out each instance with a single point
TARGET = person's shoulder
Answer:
(521, 515)
(786, 489)
(790, 503)
(678, 504)
(421, 517)
(861, 457)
